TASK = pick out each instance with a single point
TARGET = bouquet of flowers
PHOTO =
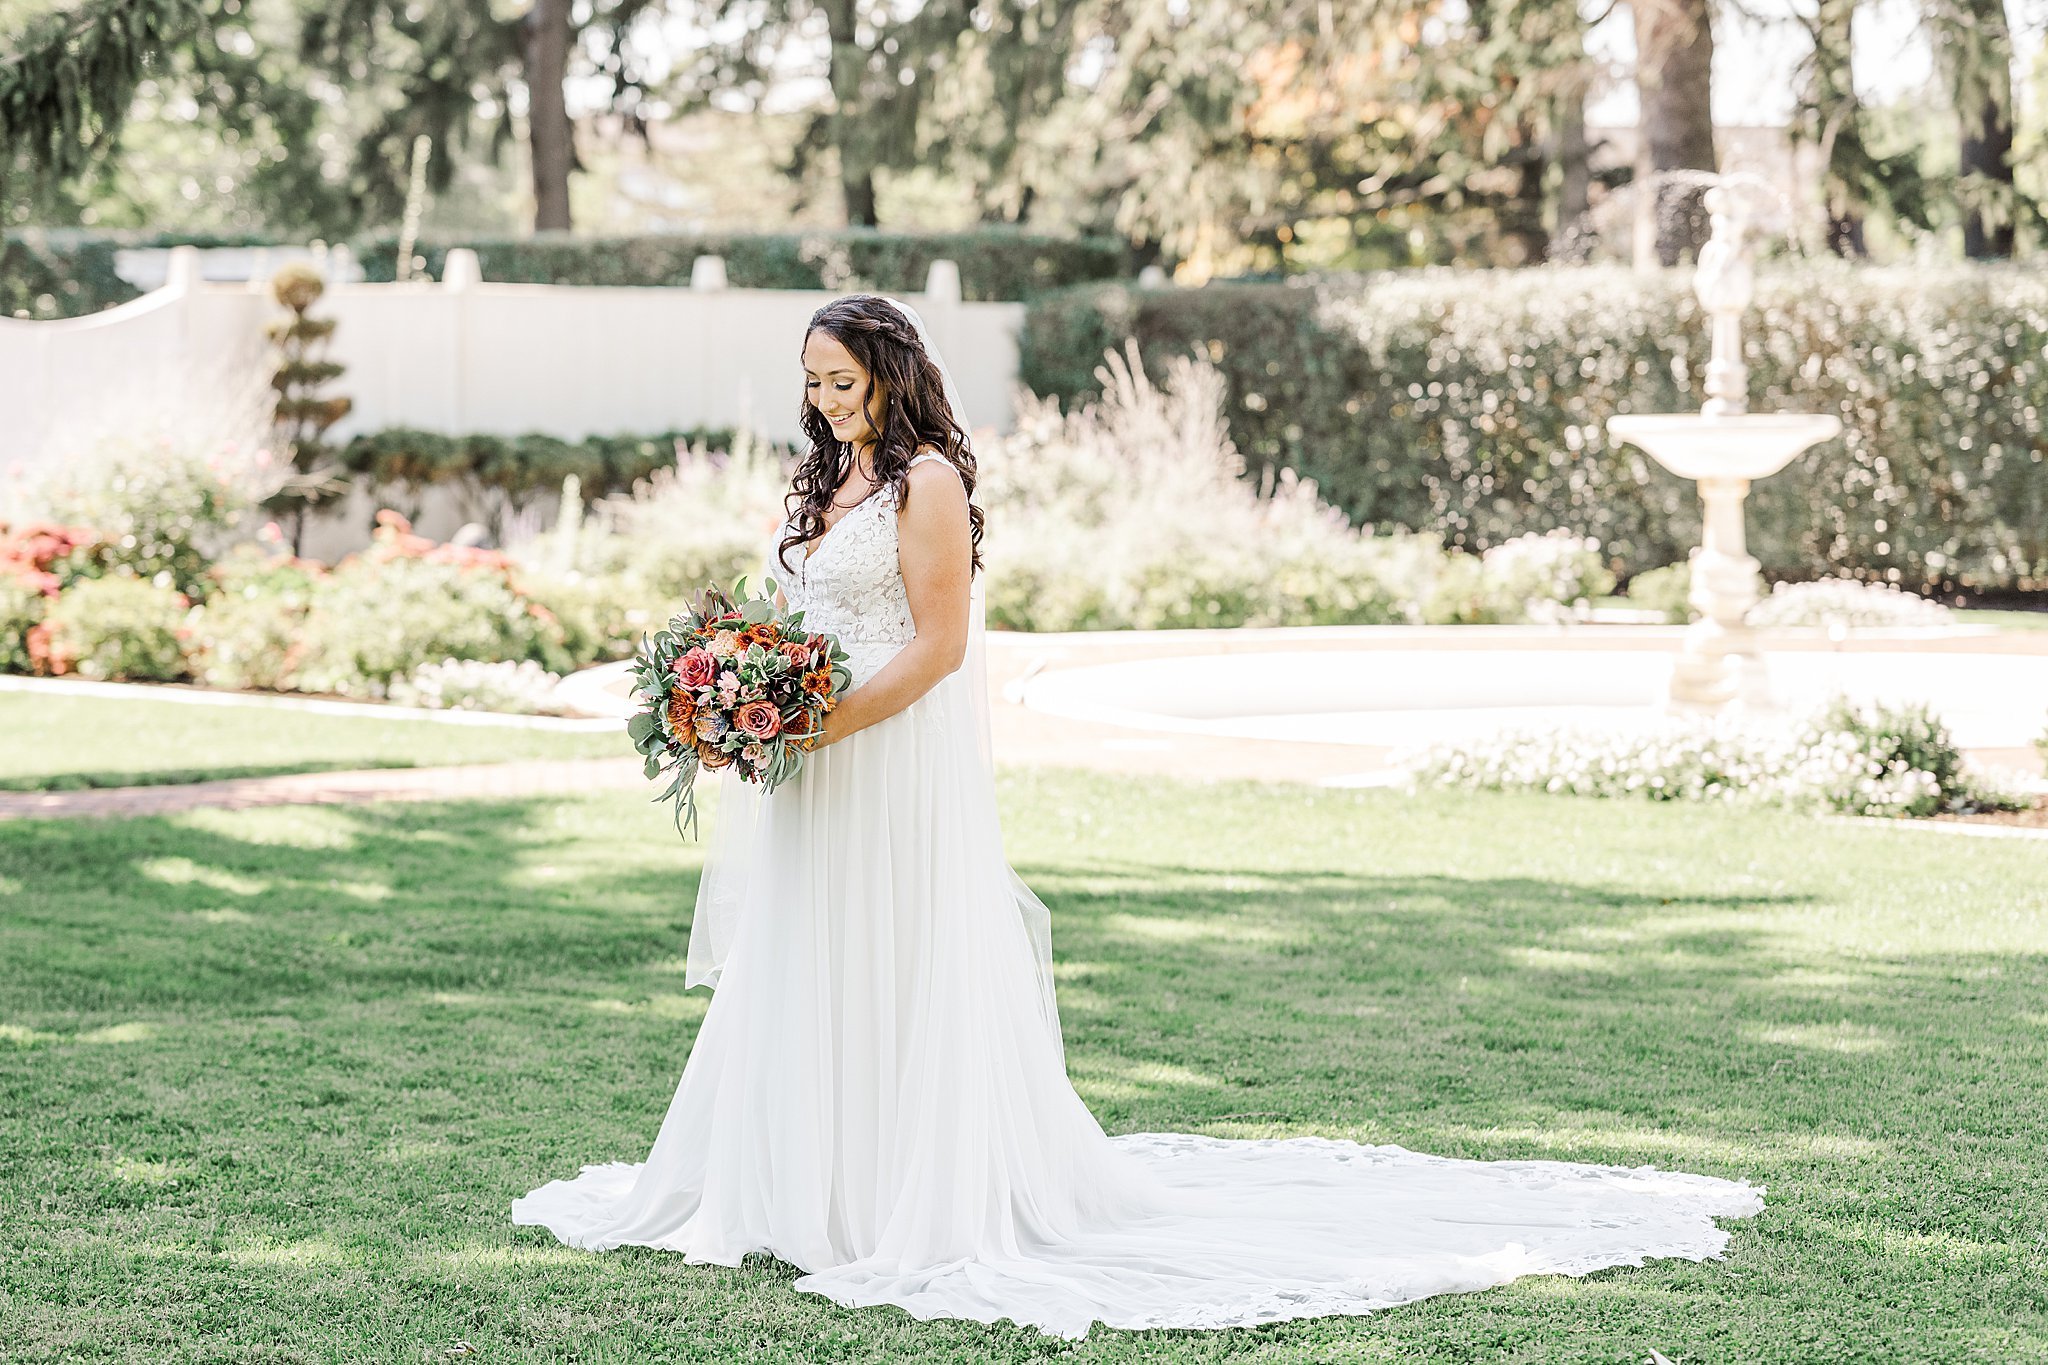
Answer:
(729, 682)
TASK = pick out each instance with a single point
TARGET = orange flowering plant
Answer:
(729, 682)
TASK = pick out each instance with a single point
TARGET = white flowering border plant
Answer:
(504, 686)
(1847, 757)
(1847, 602)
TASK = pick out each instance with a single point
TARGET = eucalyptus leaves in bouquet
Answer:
(731, 682)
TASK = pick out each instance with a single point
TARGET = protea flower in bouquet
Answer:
(731, 682)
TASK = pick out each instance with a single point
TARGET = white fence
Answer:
(466, 356)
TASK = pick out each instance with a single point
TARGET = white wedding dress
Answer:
(878, 1094)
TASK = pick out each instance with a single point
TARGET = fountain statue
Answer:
(1724, 448)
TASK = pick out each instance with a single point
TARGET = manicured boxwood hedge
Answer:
(70, 273)
(995, 264)
(518, 466)
(1473, 404)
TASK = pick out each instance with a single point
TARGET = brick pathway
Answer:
(481, 781)
(1023, 737)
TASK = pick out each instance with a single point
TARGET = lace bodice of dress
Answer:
(852, 586)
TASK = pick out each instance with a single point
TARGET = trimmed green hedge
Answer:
(995, 263)
(519, 466)
(1473, 404)
(70, 272)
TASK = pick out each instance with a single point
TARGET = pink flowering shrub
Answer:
(374, 616)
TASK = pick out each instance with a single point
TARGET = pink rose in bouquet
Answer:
(732, 684)
(757, 718)
(696, 668)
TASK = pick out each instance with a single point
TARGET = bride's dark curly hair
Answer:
(914, 414)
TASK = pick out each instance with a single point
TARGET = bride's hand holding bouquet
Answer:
(731, 682)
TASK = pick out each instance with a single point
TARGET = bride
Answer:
(878, 1092)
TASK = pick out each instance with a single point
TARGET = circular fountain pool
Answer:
(1398, 697)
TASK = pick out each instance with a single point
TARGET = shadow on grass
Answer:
(351, 902)
(1515, 1017)
(368, 1028)
(1477, 1013)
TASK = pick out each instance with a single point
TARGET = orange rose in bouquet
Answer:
(732, 683)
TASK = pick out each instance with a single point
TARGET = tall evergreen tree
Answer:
(68, 78)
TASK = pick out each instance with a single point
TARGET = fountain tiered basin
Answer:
(1748, 445)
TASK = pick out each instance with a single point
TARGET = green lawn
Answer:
(52, 743)
(2005, 620)
(270, 1078)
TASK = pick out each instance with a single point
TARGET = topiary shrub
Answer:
(114, 628)
(303, 413)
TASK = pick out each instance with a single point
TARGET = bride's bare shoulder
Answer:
(934, 472)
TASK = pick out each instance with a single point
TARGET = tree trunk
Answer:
(859, 191)
(1975, 43)
(1845, 234)
(1524, 239)
(1675, 131)
(1986, 108)
(1833, 102)
(1987, 157)
(849, 75)
(547, 112)
(1574, 161)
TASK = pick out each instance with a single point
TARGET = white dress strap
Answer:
(928, 455)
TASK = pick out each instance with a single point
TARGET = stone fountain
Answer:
(1724, 447)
